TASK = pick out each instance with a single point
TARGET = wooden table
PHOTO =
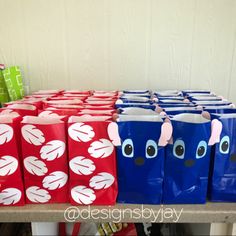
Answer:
(209, 213)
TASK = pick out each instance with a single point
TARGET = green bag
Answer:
(4, 97)
(13, 80)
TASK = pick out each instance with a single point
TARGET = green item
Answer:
(13, 80)
(4, 97)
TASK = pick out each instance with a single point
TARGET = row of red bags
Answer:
(52, 158)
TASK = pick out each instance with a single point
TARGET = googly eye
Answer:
(224, 145)
(128, 148)
(179, 149)
(151, 149)
(201, 149)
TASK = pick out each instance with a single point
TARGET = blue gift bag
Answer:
(220, 110)
(136, 111)
(130, 95)
(211, 103)
(171, 98)
(200, 94)
(172, 101)
(168, 93)
(223, 181)
(141, 91)
(163, 105)
(141, 105)
(135, 100)
(140, 159)
(188, 157)
(198, 91)
(173, 112)
(205, 98)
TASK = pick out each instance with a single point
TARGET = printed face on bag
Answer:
(188, 154)
(140, 159)
(225, 150)
(223, 182)
(150, 150)
(142, 142)
(190, 148)
(188, 158)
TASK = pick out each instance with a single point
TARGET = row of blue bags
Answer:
(177, 147)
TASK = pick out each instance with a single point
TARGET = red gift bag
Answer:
(63, 106)
(62, 98)
(39, 96)
(53, 92)
(62, 102)
(92, 161)
(82, 97)
(55, 112)
(97, 107)
(77, 92)
(105, 93)
(94, 117)
(45, 160)
(27, 101)
(98, 98)
(11, 182)
(100, 103)
(102, 111)
(21, 109)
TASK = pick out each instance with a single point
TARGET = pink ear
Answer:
(113, 133)
(216, 128)
(162, 113)
(186, 100)
(171, 141)
(199, 107)
(158, 109)
(206, 115)
(166, 133)
(119, 101)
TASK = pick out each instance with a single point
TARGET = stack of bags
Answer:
(103, 147)
(53, 134)
(193, 121)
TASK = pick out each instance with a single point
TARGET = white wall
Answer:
(115, 44)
